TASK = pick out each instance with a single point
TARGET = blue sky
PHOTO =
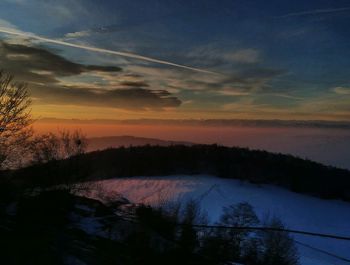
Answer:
(274, 59)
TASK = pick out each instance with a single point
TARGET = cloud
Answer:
(100, 50)
(342, 90)
(213, 55)
(246, 81)
(77, 34)
(24, 60)
(7, 24)
(15, 38)
(58, 12)
(54, 79)
(89, 32)
(243, 56)
(316, 12)
(282, 95)
(232, 92)
(133, 98)
(17, 2)
(211, 89)
(134, 83)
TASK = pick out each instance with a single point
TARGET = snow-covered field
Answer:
(298, 211)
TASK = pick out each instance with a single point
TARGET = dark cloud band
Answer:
(42, 69)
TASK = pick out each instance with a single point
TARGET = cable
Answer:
(271, 229)
(133, 219)
(322, 251)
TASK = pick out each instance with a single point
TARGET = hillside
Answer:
(299, 212)
(296, 174)
(242, 175)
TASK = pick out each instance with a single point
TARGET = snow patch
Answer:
(298, 211)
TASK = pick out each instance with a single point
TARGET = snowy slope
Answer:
(298, 211)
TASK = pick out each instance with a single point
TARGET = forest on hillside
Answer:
(259, 167)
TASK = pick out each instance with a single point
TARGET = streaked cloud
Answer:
(100, 50)
(7, 24)
(77, 34)
(316, 12)
(243, 80)
(21, 59)
(47, 74)
(232, 92)
(216, 55)
(270, 68)
(342, 90)
(132, 98)
(243, 56)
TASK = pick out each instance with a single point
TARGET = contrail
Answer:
(94, 49)
(315, 12)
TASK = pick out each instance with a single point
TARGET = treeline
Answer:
(184, 243)
(260, 167)
(57, 227)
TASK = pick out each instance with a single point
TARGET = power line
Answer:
(271, 229)
(266, 229)
(289, 231)
(133, 219)
(322, 251)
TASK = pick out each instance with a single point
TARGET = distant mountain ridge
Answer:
(332, 124)
(101, 143)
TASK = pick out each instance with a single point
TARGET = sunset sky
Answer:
(201, 59)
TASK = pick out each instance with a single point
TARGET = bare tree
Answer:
(279, 246)
(48, 147)
(73, 143)
(238, 215)
(45, 148)
(15, 117)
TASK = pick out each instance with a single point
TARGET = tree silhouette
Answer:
(238, 215)
(15, 116)
(279, 246)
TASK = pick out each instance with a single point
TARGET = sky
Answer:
(161, 59)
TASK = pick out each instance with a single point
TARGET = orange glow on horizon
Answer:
(231, 135)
